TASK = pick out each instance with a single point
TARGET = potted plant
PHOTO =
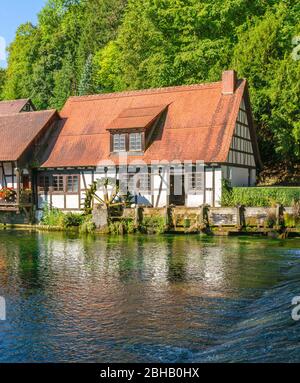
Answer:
(8, 194)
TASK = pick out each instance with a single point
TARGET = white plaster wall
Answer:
(86, 179)
(218, 186)
(208, 185)
(72, 202)
(194, 200)
(58, 201)
(160, 189)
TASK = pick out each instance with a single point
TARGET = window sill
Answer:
(130, 153)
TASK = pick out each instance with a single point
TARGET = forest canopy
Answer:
(92, 46)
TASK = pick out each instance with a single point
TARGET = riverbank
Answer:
(218, 231)
(276, 222)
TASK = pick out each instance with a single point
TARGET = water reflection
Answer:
(130, 298)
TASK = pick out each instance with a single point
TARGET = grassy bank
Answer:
(260, 196)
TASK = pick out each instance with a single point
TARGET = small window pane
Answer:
(119, 142)
(58, 183)
(72, 184)
(145, 182)
(135, 141)
(44, 183)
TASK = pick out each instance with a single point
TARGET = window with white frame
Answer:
(135, 142)
(119, 142)
(195, 181)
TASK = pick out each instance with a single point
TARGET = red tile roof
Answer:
(199, 124)
(11, 107)
(133, 118)
(18, 131)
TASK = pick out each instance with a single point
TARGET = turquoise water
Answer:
(148, 299)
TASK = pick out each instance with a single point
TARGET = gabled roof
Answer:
(198, 124)
(18, 131)
(11, 107)
(134, 118)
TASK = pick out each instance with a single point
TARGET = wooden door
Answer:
(177, 190)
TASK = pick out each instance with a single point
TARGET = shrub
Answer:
(290, 220)
(52, 217)
(271, 219)
(296, 208)
(122, 226)
(154, 224)
(87, 225)
(55, 217)
(260, 196)
(72, 220)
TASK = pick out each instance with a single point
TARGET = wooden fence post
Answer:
(203, 217)
(279, 215)
(169, 216)
(139, 216)
(240, 216)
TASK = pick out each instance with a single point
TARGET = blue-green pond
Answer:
(148, 298)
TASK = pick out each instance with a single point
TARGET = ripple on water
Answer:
(147, 299)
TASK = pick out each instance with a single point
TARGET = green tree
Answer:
(65, 83)
(22, 53)
(2, 81)
(99, 26)
(86, 85)
(263, 56)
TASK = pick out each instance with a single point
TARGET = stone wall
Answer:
(12, 218)
(217, 216)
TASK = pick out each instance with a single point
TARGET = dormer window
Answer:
(135, 142)
(119, 142)
(127, 142)
(132, 129)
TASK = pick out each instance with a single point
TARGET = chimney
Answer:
(229, 81)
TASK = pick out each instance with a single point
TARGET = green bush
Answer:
(87, 225)
(72, 220)
(52, 217)
(154, 224)
(122, 226)
(260, 196)
(55, 217)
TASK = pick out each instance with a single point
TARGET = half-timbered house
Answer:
(206, 123)
(23, 134)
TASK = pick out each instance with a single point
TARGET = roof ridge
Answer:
(17, 100)
(141, 92)
(28, 113)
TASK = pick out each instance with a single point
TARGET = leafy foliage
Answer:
(72, 220)
(2, 81)
(261, 196)
(153, 225)
(56, 218)
(86, 82)
(52, 217)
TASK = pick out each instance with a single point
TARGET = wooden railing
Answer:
(25, 201)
